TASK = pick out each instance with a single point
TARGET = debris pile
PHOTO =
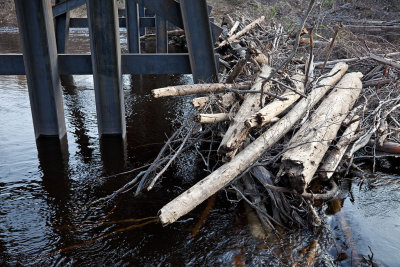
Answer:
(279, 125)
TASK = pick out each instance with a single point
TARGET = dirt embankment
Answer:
(279, 11)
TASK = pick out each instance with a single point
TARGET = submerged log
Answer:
(312, 140)
(276, 107)
(218, 179)
(335, 156)
(189, 89)
(237, 131)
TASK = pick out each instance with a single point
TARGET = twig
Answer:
(296, 44)
(330, 48)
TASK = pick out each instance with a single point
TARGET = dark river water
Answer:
(45, 191)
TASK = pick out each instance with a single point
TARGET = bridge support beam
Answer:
(106, 64)
(132, 26)
(61, 23)
(36, 27)
(142, 29)
(199, 40)
(161, 35)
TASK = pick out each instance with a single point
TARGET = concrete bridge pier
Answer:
(106, 64)
(40, 58)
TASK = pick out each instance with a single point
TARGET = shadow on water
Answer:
(46, 188)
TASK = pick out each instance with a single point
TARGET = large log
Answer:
(276, 107)
(237, 131)
(310, 143)
(218, 179)
(189, 89)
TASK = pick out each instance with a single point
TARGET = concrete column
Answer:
(132, 26)
(36, 28)
(161, 35)
(106, 63)
(198, 36)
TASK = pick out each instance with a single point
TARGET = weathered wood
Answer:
(237, 131)
(218, 179)
(349, 60)
(385, 61)
(333, 159)
(212, 118)
(200, 102)
(310, 143)
(276, 107)
(233, 29)
(242, 32)
(189, 89)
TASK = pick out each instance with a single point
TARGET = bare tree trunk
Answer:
(218, 179)
(312, 140)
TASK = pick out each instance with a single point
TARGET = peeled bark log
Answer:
(237, 131)
(330, 164)
(312, 140)
(273, 109)
(218, 179)
(196, 89)
(212, 118)
(242, 32)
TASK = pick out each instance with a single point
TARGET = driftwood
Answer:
(233, 29)
(385, 61)
(237, 131)
(212, 118)
(276, 107)
(335, 156)
(200, 102)
(242, 32)
(190, 89)
(311, 142)
(238, 68)
(349, 60)
(218, 179)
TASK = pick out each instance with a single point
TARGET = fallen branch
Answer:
(335, 156)
(385, 61)
(349, 60)
(273, 109)
(190, 89)
(212, 118)
(242, 32)
(237, 131)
